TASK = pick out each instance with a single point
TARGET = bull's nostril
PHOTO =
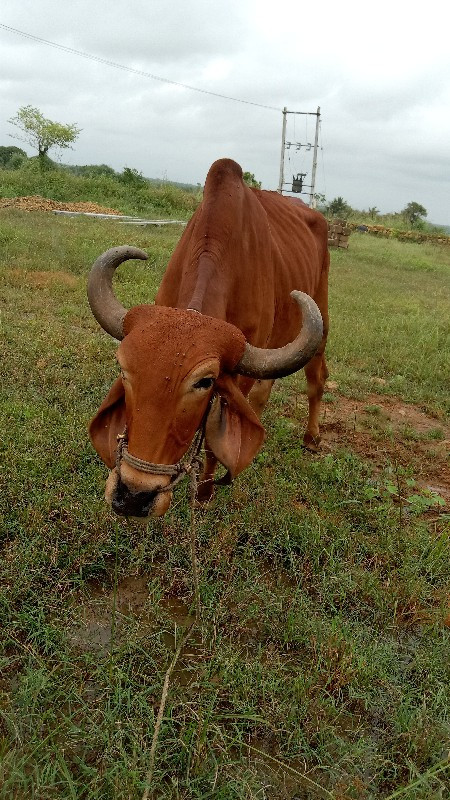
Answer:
(132, 504)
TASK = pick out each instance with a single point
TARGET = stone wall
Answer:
(338, 233)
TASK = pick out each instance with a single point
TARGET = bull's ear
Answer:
(233, 431)
(108, 422)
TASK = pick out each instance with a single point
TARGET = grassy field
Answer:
(138, 199)
(320, 665)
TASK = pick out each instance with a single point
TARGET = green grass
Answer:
(321, 647)
(58, 184)
(390, 320)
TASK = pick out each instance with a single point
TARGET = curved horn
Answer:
(104, 304)
(276, 363)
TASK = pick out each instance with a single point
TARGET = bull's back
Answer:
(223, 262)
(300, 241)
(243, 252)
(300, 256)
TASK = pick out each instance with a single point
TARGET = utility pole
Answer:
(312, 199)
(316, 114)
(283, 145)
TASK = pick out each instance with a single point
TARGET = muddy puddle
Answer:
(109, 620)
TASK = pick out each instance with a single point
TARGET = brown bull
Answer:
(200, 363)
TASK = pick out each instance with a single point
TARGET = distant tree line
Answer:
(14, 158)
(413, 214)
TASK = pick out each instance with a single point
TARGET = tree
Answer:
(91, 170)
(132, 176)
(373, 211)
(414, 212)
(339, 208)
(12, 157)
(42, 133)
(250, 180)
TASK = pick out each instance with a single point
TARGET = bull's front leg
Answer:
(205, 489)
(257, 397)
(316, 374)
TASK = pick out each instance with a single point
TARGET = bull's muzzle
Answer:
(141, 505)
(132, 504)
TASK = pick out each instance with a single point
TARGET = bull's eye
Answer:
(203, 383)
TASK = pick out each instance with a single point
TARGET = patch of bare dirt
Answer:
(41, 279)
(384, 428)
(38, 203)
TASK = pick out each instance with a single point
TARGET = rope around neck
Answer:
(190, 464)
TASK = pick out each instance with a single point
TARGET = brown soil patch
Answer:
(38, 203)
(41, 279)
(385, 429)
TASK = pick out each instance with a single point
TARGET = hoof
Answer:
(311, 442)
(226, 480)
(205, 492)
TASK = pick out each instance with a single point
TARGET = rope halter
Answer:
(189, 464)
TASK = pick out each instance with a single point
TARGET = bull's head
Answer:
(179, 370)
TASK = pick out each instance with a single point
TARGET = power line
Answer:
(123, 67)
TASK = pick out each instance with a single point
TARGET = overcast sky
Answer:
(379, 72)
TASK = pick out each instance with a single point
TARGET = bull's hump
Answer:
(223, 174)
(226, 166)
